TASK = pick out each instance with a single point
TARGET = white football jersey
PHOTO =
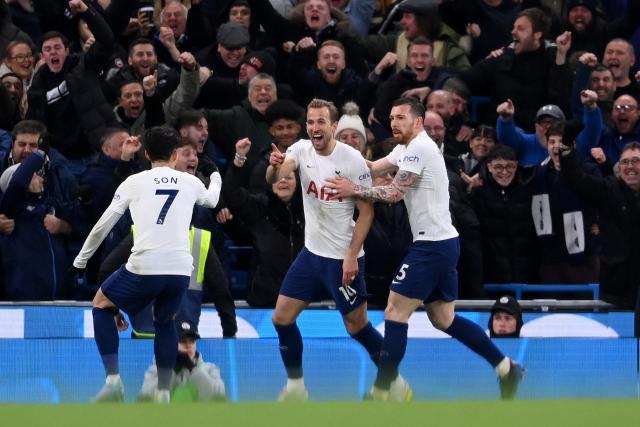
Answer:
(427, 199)
(161, 204)
(328, 220)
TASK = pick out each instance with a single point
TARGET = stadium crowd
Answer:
(532, 103)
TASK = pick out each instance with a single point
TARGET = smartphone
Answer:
(148, 11)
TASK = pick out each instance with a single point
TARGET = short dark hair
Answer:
(284, 109)
(140, 40)
(556, 128)
(415, 106)
(484, 131)
(334, 115)
(633, 145)
(420, 41)
(52, 35)
(160, 142)
(501, 151)
(109, 131)
(601, 67)
(127, 82)
(32, 127)
(540, 21)
(188, 118)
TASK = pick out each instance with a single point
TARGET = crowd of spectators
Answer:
(533, 104)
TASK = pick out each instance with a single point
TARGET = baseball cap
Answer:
(187, 329)
(418, 7)
(507, 304)
(232, 35)
(550, 110)
(262, 61)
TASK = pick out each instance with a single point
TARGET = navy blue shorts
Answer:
(312, 278)
(428, 272)
(132, 292)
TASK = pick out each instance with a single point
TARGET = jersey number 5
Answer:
(171, 196)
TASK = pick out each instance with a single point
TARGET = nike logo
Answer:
(393, 282)
(309, 166)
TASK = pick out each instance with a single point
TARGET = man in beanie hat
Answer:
(590, 32)
(506, 318)
(193, 379)
(350, 128)
(259, 61)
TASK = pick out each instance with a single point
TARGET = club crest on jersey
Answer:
(323, 194)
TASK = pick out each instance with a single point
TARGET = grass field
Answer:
(538, 413)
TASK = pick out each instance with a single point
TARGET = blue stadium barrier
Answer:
(519, 289)
(69, 370)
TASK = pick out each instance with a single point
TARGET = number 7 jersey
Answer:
(161, 204)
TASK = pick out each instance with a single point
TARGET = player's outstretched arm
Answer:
(211, 195)
(392, 193)
(98, 233)
(360, 231)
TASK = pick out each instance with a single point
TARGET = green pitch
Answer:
(565, 413)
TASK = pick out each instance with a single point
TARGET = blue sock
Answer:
(165, 347)
(107, 340)
(472, 335)
(290, 349)
(371, 340)
(392, 352)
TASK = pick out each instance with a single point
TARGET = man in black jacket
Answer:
(618, 200)
(66, 93)
(530, 71)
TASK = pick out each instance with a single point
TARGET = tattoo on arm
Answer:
(393, 192)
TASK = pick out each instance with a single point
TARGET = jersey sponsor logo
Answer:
(364, 176)
(165, 180)
(410, 158)
(323, 194)
(116, 197)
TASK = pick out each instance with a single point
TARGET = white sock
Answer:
(293, 383)
(503, 367)
(113, 379)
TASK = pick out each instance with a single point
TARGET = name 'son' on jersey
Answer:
(165, 180)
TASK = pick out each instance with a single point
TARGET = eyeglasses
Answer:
(625, 107)
(509, 167)
(22, 57)
(630, 162)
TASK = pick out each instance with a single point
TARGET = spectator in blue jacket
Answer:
(41, 226)
(531, 148)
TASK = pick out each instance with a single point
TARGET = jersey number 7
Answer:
(171, 196)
